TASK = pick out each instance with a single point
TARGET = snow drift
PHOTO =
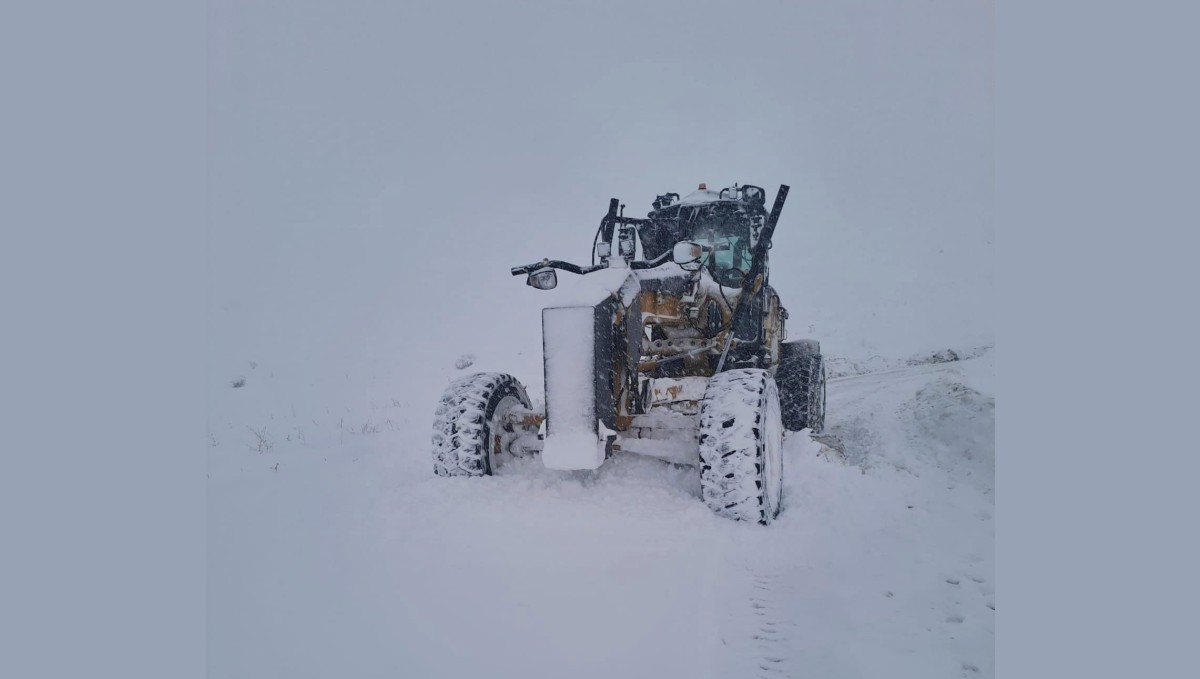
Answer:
(335, 552)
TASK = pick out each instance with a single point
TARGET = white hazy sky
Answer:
(365, 155)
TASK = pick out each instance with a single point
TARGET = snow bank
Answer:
(841, 366)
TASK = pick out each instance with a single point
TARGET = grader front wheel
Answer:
(741, 446)
(468, 429)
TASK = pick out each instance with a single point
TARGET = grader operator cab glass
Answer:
(727, 244)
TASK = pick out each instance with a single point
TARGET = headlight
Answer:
(543, 279)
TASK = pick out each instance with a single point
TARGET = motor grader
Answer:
(671, 344)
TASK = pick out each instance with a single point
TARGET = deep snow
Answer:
(334, 551)
(376, 168)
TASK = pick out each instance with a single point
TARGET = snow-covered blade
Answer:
(568, 335)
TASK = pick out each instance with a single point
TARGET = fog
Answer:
(377, 167)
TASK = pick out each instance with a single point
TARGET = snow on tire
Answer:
(801, 379)
(741, 446)
(467, 426)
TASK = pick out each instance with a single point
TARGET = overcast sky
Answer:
(366, 155)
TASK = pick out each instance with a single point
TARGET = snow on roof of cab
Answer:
(701, 196)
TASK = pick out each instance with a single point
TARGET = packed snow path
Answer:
(335, 552)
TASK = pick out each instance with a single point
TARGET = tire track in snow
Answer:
(757, 630)
(770, 636)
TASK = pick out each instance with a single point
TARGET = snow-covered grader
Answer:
(671, 344)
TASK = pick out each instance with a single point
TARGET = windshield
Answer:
(723, 227)
(730, 242)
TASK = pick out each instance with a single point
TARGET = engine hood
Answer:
(593, 288)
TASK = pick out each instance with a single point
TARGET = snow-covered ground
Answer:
(375, 169)
(335, 552)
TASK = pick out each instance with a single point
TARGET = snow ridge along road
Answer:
(334, 551)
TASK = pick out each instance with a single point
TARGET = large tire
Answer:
(801, 378)
(741, 446)
(468, 423)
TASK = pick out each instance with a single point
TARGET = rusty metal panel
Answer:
(677, 389)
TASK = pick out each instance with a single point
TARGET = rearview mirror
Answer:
(687, 255)
(543, 279)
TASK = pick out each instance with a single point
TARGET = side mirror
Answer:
(626, 242)
(543, 279)
(753, 194)
(627, 247)
(687, 255)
